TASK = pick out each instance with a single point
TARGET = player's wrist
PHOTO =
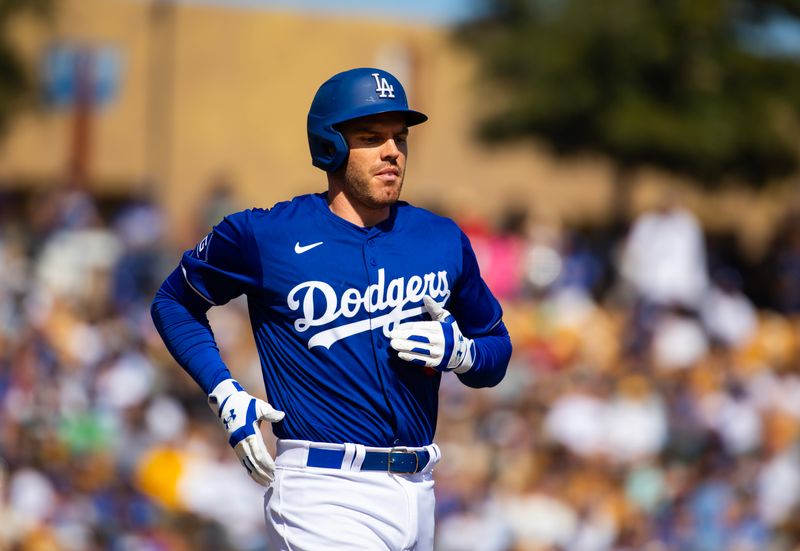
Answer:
(464, 353)
(469, 358)
(222, 392)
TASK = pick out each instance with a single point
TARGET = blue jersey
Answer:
(323, 295)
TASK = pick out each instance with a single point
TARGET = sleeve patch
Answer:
(201, 251)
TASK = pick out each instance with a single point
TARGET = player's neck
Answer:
(355, 213)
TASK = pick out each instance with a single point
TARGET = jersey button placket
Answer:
(370, 252)
(372, 263)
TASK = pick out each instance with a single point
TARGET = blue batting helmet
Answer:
(350, 95)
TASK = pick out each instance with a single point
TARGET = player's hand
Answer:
(437, 344)
(241, 414)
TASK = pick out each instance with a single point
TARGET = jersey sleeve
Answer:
(473, 304)
(226, 263)
(480, 318)
(179, 315)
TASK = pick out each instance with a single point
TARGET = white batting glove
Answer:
(241, 414)
(438, 344)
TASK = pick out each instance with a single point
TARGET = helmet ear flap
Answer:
(328, 149)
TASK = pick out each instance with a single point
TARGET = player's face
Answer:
(376, 165)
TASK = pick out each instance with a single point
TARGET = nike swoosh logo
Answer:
(300, 249)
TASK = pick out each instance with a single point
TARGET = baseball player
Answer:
(359, 304)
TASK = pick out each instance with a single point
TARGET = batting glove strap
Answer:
(463, 354)
(222, 392)
(236, 410)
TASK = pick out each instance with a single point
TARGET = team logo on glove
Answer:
(229, 419)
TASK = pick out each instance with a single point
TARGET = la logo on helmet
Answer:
(386, 90)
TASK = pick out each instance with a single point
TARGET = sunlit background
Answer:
(627, 172)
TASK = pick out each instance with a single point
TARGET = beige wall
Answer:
(232, 94)
(212, 89)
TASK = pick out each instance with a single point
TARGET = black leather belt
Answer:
(398, 461)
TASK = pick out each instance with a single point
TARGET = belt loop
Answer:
(360, 453)
(349, 454)
(434, 455)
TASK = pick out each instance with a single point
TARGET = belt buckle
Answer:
(404, 451)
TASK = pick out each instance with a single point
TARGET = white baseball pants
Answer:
(314, 508)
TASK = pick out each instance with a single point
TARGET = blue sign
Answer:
(64, 66)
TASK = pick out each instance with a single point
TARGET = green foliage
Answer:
(16, 82)
(672, 83)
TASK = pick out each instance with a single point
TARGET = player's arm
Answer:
(179, 314)
(478, 354)
(223, 266)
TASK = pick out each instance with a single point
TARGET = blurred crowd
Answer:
(652, 402)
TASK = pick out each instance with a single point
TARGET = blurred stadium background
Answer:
(627, 172)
